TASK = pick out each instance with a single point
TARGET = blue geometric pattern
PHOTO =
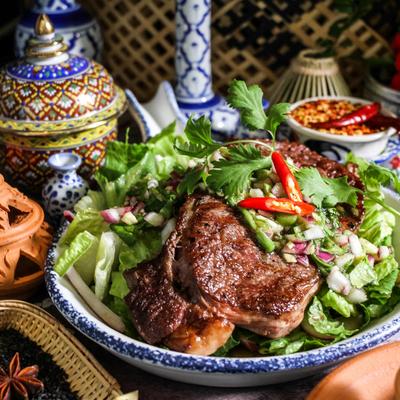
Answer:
(75, 65)
(192, 60)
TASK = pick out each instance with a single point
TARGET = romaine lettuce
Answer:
(362, 274)
(333, 300)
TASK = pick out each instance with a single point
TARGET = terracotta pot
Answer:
(24, 241)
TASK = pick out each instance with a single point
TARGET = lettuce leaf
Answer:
(92, 200)
(88, 220)
(119, 287)
(292, 343)
(323, 324)
(106, 258)
(382, 291)
(146, 247)
(362, 274)
(77, 248)
(86, 263)
(230, 344)
(333, 300)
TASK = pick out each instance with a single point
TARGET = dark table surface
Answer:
(152, 387)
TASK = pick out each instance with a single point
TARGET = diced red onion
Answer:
(314, 232)
(324, 256)
(371, 259)
(383, 252)
(303, 260)
(357, 296)
(309, 218)
(265, 213)
(69, 216)
(355, 246)
(256, 193)
(289, 258)
(132, 201)
(129, 218)
(295, 248)
(111, 215)
(138, 207)
(338, 282)
(123, 210)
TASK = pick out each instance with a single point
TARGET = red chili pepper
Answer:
(395, 82)
(383, 122)
(356, 117)
(277, 205)
(289, 182)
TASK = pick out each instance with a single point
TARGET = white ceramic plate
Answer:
(216, 371)
(368, 146)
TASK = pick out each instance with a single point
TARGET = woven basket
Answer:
(86, 376)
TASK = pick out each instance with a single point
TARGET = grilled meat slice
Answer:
(161, 314)
(213, 257)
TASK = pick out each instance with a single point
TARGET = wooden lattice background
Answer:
(252, 39)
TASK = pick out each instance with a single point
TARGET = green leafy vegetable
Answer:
(76, 249)
(292, 343)
(105, 260)
(88, 220)
(338, 303)
(382, 291)
(325, 190)
(232, 176)
(190, 181)
(318, 319)
(249, 101)
(92, 200)
(119, 287)
(230, 344)
(86, 263)
(362, 274)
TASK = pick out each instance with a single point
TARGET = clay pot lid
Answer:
(24, 242)
(369, 376)
(51, 91)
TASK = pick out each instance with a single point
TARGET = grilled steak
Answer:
(212, 256)
(161, 313)
(212, 276)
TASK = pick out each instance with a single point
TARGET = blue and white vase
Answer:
(193, 68)
(66, 187)
(80, 30)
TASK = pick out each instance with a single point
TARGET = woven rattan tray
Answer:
(86, 376)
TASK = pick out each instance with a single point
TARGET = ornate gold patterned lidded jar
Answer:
(53, 101)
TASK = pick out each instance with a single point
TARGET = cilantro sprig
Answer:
(230, 172)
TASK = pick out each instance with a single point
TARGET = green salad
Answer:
(142, 187)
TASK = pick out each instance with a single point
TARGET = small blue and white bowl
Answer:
(216, 371)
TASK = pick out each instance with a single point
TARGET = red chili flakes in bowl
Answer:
(327, 110)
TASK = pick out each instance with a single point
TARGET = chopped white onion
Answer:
(129, 218)
(368, 247)
(108, 316)
(168, 229)
(357, 296)
(152, 184)
(191, 163)
(343, 260)
(277, 190)
(256, 193)
(315, 232)
(338, 282)
(355, 246)
(111, 215)
(154, 218)
(216, 156)
(290, 258)
(383, 252)
(342, 240)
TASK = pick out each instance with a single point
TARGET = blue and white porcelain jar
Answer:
(80, 30)
(66, 187)
(193, 68)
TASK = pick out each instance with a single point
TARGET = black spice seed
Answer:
(56, 386)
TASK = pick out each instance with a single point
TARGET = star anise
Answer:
(19, 381)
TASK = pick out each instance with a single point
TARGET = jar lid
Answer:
(51, 91)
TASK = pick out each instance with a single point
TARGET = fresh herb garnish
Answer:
(248, 100)
(232, 175)
(326, 191)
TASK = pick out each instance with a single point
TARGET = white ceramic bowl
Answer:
(216, 371)
(367, 146)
